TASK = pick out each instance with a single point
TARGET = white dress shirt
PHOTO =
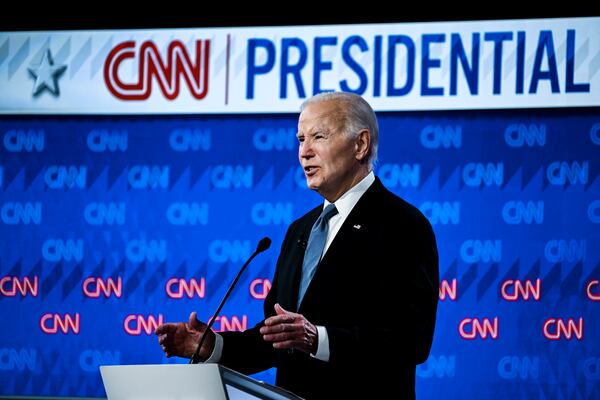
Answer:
(344, 205)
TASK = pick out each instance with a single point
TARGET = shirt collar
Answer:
(348, 200)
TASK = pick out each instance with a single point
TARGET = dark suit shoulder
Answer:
(376, 200)
(396, 207)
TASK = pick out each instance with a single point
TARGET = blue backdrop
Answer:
(110, 225)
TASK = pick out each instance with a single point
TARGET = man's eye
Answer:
(301, 139)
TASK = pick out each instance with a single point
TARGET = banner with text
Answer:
(416, 66)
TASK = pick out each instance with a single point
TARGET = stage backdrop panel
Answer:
(112, 225)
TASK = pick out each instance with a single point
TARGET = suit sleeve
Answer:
(247, 352)
(424, 291)
(396, 323)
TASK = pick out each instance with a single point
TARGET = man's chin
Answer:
(312, 184)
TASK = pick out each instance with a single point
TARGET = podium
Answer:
(183, 382)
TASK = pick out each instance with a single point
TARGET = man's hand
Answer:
(181, 339)
(288, 330)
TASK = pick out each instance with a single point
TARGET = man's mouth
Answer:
(310, 170)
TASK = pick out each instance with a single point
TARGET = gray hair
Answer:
(358, 115)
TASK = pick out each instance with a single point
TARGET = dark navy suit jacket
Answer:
(376, 293)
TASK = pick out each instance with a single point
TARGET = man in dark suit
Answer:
(352, 307)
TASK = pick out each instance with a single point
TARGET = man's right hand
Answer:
(181, 339)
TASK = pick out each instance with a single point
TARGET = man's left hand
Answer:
(288, 330)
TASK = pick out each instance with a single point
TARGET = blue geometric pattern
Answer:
(109, 225)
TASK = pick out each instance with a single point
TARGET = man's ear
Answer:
(362, 144)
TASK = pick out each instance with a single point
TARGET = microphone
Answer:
(263, 245)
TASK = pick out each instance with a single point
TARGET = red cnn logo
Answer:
(134, 324)
(93, 287)
(590, 295)
(448, 289)
(176, 287)
(259, 288)
(511, 290)
(51, 323)
(167, 72)
(10, 285)
(481, 329)
(556, 328)
(233, 325)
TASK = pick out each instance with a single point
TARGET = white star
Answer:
(46, 75)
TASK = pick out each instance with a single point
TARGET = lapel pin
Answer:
(356, 226)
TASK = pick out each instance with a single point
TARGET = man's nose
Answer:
(305, 150)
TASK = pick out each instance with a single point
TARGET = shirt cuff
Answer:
(323, 345)
(215, 357)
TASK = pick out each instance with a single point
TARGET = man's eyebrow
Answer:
(314, 131)
(323, 132)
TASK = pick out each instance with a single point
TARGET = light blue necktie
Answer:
(314, 250)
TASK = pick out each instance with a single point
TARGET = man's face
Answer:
(326, 153)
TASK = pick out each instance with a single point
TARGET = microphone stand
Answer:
(263, 245)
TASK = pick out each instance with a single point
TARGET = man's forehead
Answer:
(321, 123)
(319, 116)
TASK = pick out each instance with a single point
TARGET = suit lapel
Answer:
(291, 281)
(355, 225)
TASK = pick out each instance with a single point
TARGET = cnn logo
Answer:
(136, 324)
(52, 323)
